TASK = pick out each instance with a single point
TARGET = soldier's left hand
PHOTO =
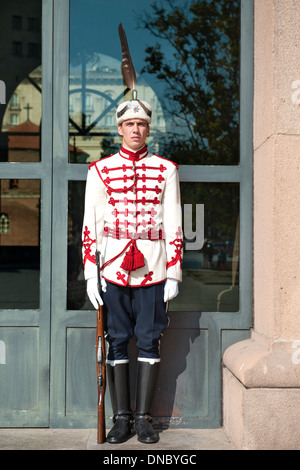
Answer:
(171, 289)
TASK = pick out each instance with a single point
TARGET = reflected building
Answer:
(20, 55)
(20, 198)
(95, 91)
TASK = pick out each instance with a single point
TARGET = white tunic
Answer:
(132, 203)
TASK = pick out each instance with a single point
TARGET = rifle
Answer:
(101, 369)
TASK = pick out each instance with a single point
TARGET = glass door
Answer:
(194, 64)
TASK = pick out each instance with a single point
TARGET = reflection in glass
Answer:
(21, 121)
(76, 292)
(186, 55)
(211, 274)
(21, 71)
(19, 243)
(96, 89)
(196, 57)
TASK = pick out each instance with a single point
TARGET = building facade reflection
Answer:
(95, 90)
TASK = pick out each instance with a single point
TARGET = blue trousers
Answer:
(134, 310)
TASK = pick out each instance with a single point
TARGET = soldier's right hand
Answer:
(93, 293)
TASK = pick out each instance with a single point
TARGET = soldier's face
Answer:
(134, 133)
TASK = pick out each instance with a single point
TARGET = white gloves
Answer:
(93, 293)
(171, 289)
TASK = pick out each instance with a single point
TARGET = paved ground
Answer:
(86, 439)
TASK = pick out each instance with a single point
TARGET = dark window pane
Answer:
(210, 273)
(20, 244)
(17, 48)
(34, 25)
(76, 293)
(16, 22)
(33, 49)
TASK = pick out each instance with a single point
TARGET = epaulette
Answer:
(101, 159)
(92, 164)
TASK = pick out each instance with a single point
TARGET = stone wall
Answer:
(262, 374)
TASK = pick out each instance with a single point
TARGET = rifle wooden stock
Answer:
(101, 375)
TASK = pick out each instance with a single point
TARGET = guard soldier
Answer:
(133, 217)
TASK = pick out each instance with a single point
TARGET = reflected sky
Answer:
(198, 88)
(94, 27)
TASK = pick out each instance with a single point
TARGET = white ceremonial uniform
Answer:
(132, 207)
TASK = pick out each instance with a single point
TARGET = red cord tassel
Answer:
(127, 263)
(138, 259)
(133, 259)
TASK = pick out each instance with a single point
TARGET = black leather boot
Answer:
(118, 380)
(145, 387)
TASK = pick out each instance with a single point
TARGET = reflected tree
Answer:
(196, 55)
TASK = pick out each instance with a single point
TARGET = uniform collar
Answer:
(126, 153)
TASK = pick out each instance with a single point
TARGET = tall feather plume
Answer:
(128, 71)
